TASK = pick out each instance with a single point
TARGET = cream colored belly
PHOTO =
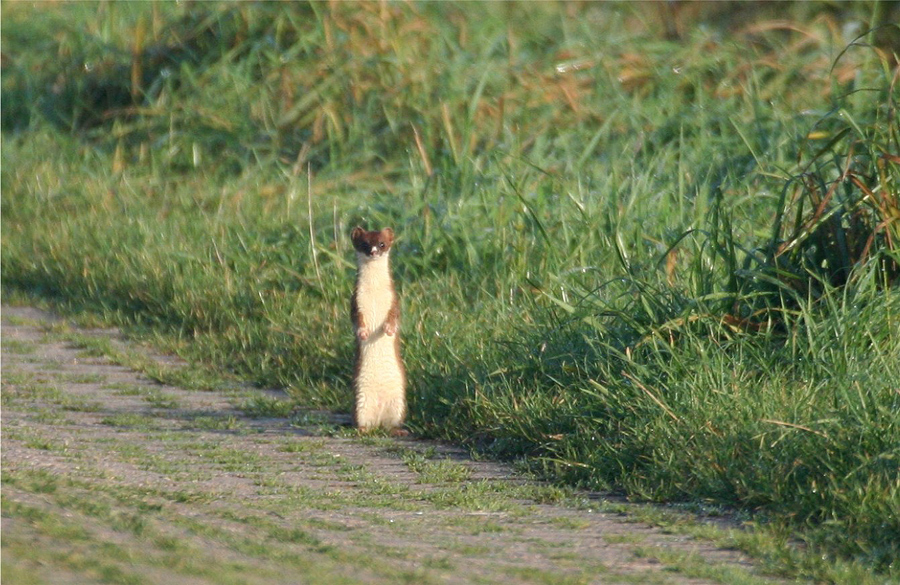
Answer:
(380, 398)
(379, 368)
(374, 306)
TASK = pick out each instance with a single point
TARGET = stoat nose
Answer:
(374, 250)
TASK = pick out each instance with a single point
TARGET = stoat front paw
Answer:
(390, 329)
(362, 333)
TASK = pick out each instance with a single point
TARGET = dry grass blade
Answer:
(652, 396)
(793, 426)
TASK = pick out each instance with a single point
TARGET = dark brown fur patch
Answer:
(364, 242)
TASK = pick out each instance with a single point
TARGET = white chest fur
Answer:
(375, 291)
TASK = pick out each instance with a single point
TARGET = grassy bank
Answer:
(656, 261)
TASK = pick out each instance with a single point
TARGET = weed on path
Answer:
(112, 477)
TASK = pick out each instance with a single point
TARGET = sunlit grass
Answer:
(665, 267)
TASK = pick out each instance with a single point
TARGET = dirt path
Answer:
(110, 477)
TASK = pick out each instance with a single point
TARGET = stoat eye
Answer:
(381, 245)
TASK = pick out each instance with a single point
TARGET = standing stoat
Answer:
(379, 380)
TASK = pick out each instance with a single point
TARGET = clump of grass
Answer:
(483, 496)
(159, 399)
(215, 423)
(260, 406)
(660, 265)
(19, 346)
(435, 470)
(191, 376)
(130, 420)
(837, 212)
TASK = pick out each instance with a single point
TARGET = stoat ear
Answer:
(388, 233)
(357, 233)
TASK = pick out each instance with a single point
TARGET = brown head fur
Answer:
(374, 243)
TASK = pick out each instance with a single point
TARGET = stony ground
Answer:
(111, 477)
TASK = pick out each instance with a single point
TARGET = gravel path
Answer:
(110, 477)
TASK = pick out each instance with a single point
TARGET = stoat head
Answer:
(371, 245)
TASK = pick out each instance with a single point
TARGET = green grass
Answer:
(431, 470)
(260, 406)
(188, 376)
(216, 423)
(81, 551)
(19, 347)
(39, 393)
(663, 266)
(160, 399)
(79, 378)
(131, 421)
